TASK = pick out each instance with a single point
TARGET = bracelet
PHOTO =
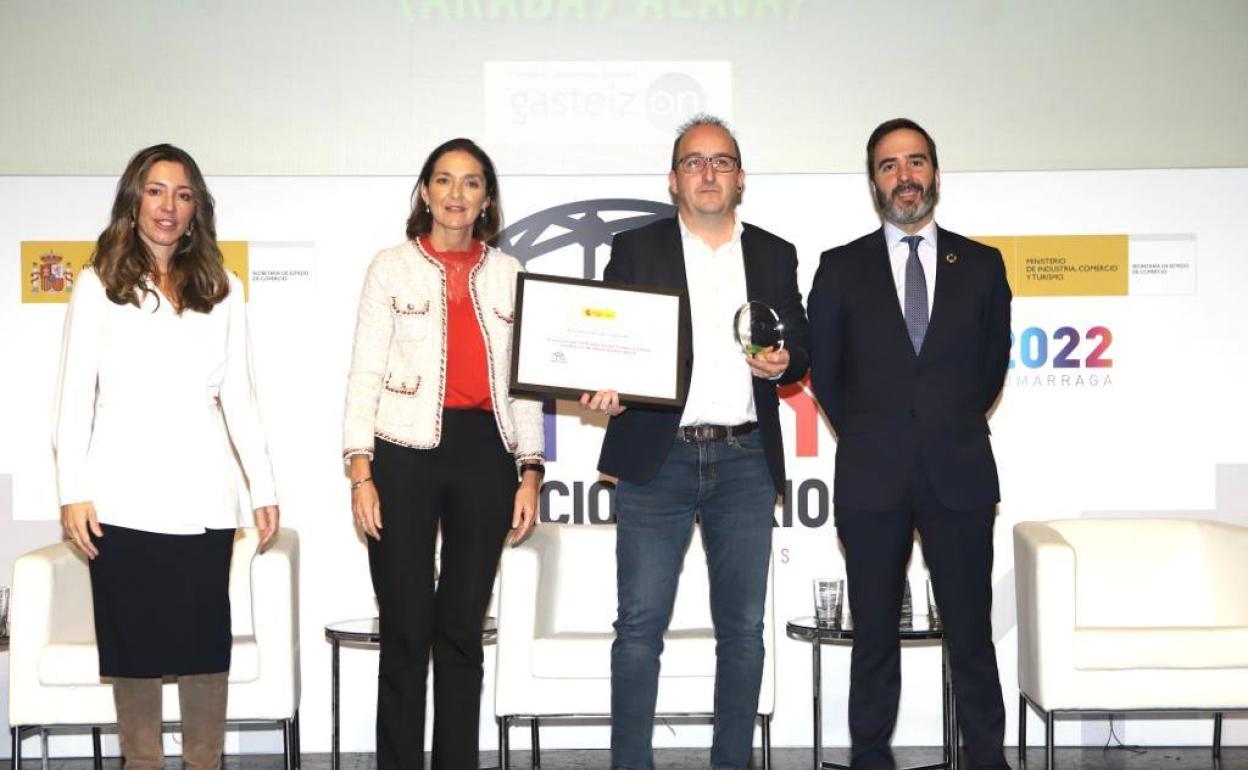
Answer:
(539, 468)
(357, 484)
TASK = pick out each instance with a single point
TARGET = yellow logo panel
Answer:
(235, 255)
(1064, 265)
(49, 268)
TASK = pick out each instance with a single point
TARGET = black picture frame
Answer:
(680, 367)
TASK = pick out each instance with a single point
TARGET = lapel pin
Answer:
(951, 258)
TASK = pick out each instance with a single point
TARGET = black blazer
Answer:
(890, 406)
(638, 441)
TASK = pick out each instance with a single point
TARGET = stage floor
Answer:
(1151, 758)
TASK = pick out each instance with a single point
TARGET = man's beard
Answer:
(900, 214)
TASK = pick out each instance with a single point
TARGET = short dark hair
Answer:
(420, 221)
(703, 119)
(888, 127)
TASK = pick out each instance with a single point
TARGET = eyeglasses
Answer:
(722, 164)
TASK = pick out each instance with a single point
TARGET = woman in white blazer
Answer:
(155, 401)
(434, 441)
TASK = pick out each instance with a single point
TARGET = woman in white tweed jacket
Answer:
(397, 385)
(434, 442)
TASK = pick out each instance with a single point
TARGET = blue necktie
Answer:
(916, 295)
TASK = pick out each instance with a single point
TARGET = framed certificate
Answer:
(574, 336)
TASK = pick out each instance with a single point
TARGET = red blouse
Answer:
(467, 373)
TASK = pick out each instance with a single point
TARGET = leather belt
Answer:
(693, 433)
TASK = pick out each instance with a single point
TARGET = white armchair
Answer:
(555, 613)
(54, 674)
(1120, 615)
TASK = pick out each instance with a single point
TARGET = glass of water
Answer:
(829, 600)
(4, 612)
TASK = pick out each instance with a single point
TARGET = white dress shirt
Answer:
(899, 253)
(721, 391)
(143, 404)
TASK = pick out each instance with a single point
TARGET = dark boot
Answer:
(138, 722)
(202, 697)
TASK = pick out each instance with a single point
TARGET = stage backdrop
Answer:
(1123, 395)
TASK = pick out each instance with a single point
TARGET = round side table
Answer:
(806, 629)
(365, 632)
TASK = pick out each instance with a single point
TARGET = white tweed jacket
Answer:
(397, 384)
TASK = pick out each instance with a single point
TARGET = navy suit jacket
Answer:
(891, 407)
(638, 440)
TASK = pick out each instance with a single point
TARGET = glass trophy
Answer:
(757, 329)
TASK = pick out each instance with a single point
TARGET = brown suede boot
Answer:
(138, 722)
(202, 697)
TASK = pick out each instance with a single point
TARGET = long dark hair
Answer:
(122, 259)
(420, 221)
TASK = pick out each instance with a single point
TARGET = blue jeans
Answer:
(727, 485)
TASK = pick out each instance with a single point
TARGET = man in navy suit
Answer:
(910, 330)
(719, 457)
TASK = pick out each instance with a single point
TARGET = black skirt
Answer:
(162, 602)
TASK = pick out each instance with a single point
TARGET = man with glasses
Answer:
(910, 328)
(719, 458)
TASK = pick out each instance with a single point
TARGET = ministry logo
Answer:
(561, 235)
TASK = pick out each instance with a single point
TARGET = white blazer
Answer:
(397, 385)
(151, 408)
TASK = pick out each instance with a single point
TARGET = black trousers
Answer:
(466, 486)
(957, 546)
